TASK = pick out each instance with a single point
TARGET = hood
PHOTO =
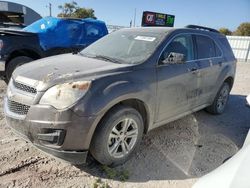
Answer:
(47, 72)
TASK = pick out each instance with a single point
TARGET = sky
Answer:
(210, 13)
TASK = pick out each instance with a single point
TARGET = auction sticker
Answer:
(145, 38)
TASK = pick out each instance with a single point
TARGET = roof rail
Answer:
(202, 28)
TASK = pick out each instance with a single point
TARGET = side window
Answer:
(217, 50)
(205, 47)
(181, 44)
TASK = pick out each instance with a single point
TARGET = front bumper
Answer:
(60, 133)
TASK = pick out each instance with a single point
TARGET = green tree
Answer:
(243, 29)
(72, 10)
(84, 13)
(225, 31)
(67, 9)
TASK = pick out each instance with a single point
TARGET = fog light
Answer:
(52, 136)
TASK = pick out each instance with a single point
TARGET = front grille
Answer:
(18, 108)
(25, 88)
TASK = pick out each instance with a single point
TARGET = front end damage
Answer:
(61, 133)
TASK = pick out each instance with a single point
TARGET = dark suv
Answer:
(106, 97)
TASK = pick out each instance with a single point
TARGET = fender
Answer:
(25, 47)
(106, 92)
(99, 101)
(227, 71)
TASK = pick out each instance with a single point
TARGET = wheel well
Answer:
(136, 104)
(140, 107)
(24, 52)
(230, 81)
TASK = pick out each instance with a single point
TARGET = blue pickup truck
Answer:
(46, 37)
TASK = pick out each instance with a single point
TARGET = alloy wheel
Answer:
(122, 138)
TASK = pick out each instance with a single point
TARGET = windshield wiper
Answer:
(102, 57)
(106, 58)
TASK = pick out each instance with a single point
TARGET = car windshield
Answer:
(125, 46)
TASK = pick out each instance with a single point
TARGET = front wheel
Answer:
(117, 136)
(220, 100)
(14, 63)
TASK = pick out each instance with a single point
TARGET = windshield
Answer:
(125, 46)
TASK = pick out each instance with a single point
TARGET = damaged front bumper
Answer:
(60, 133)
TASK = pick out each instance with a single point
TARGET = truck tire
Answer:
(14, 63)
(117, 136)
(220, 100)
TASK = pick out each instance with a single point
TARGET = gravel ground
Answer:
(172, 156)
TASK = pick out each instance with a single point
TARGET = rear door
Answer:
(177, 83)
(209, 59)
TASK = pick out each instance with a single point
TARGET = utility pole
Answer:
(50, 9)
(134, 17)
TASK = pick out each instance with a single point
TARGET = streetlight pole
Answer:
(134, 17)
(50, 11)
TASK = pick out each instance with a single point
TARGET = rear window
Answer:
(205, 47)
(227, 50)
(225, 43)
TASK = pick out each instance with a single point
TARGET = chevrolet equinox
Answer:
(103, 100)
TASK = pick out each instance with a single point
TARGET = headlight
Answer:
(64, 95)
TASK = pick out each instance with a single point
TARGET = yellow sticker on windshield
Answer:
(145, 38)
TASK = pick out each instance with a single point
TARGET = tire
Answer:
(14, 63)
(108, 145)
(220, 100)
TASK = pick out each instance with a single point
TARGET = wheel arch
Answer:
(230, 81)
(24, 52)
(137, 104)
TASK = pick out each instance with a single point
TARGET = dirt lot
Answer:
(172, 156)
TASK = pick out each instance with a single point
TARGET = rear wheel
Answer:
(118, 136)
(14, 63)
(220, 100)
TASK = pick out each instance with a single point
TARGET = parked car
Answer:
(233, 173)
(46, 37)
(106, 97)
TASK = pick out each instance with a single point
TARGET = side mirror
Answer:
(175, 58)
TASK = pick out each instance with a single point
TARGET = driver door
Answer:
(177, 83)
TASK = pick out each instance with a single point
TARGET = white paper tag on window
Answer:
(145, 38)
